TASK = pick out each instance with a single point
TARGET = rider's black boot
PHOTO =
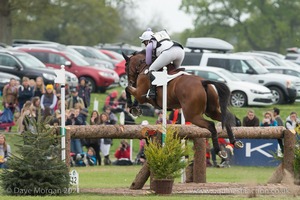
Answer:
(152, 91)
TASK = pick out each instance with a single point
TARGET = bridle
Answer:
(138, 69)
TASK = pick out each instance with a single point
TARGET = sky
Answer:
(165, 11)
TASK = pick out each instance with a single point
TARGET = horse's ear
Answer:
(125, 57)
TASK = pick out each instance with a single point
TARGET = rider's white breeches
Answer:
(175, 54)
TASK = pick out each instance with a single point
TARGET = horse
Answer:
(193, 94)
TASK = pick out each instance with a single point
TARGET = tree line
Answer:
(271, 25)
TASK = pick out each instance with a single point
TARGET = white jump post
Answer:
(161, 79)
(61, 79)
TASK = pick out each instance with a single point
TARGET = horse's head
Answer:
(135, 64)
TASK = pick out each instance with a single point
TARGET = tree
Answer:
(250, 24)
(38, 169)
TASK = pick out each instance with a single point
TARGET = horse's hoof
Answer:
(239, 144)
(135, 111)
(222, 154)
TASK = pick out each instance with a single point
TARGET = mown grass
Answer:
(122, 177)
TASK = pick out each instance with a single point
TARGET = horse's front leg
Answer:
(134, 109)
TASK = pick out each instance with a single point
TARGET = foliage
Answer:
(38, 168)
(80, 22)
(249, 25)
(165, 162)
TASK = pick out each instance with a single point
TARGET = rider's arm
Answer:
(149, 51)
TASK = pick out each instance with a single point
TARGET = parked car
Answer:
(243, 93)
(285, 88)
(293, 54)
(119, 66)
(285, 70)
(20, 42)
(99, 79)
(120, 47)
(23, 64)
(112, 54)
(5, 78)
(92, 52)
(61, 47)
(120, 69)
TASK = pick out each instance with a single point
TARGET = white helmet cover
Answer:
(146, 35)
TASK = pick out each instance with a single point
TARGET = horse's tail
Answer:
(224, 97)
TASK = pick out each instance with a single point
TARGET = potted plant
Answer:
(165, 161)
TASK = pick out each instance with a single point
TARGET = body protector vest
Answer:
(161, 41)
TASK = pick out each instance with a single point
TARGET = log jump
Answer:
(193, 133)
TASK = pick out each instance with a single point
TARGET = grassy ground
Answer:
(117, 176)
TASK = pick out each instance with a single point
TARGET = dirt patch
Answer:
(207, 189)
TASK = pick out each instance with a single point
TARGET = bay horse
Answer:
(193, 94)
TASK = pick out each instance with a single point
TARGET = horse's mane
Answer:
(139, 52)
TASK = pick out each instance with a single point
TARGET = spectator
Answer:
(10, 95)
(250, 119)
(39, 88)
(175, 116)
(74, 99)
(82, 113)
(141, 158)
(84, 92)
(94, 143)
(25, 92)
(291, 121)
(123, 154)
(268, 120)
(84, 159)
(129, 118)
(105, 143)
(5, 151)
(29, 119)
(276, 113)
(112, 118)
(57, 91)
(49, 99)
(160, 118)
(76, 146)
(111, 101)
(277, 117)
(122, 101)
(23, 113)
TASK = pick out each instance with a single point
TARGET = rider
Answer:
(160, 51)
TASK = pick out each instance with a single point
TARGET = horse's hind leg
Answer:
(215, 114)
(203, 123)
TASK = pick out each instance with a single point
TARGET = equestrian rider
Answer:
(160, 51)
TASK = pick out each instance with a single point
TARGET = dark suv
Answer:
(23, 64)
(100, 79)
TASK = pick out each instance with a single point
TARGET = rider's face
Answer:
(145, 42)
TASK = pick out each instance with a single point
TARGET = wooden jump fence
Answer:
(194, 133)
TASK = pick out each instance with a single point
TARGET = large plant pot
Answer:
(163, 186)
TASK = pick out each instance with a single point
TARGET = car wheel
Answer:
(91, 84)
(123, 81)
(278, 97)
(238, 99)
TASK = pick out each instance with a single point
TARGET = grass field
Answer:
(114, 176)
(117, 176)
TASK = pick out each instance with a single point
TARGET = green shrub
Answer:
(37, 168)
(165, 162)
